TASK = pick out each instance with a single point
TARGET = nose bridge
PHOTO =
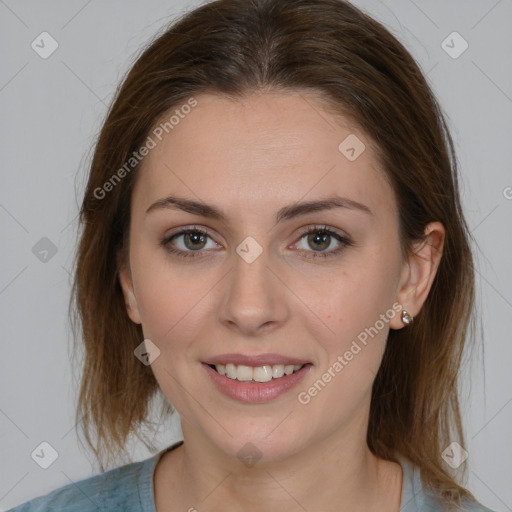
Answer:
(253, 295)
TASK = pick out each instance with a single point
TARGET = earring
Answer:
(406, 318)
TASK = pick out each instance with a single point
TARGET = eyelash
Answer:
(344, 242)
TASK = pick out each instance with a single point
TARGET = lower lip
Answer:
(256, 392)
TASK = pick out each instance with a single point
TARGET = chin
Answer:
(259, 446)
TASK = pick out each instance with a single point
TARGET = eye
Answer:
(187, 242)
(321, 238)
(190, 242)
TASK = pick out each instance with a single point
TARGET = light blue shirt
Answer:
(129, 488)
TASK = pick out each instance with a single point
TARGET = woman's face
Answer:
(254, 289)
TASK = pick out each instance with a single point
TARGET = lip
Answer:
(256, 392)
(256, 360)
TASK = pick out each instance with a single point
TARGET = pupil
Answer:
(195, 238)
(320, 239)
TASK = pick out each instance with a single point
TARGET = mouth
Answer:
(255, 379)
(264, 373)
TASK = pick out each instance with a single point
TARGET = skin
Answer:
(249, 158)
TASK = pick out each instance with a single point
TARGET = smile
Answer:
(264, 373)
(255, 379)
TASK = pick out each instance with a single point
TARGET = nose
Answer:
(254, 299)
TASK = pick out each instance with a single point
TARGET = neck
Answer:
(332, 471)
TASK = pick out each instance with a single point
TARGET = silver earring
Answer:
(406, 318)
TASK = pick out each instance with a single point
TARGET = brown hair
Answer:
(233, 48)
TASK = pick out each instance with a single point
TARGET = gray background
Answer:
(51, 110)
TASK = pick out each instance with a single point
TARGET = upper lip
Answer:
(256, 360)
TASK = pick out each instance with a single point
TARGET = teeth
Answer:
(231, 371)
(244, 372)
(277, 371)
(288, 369)
(263, 373)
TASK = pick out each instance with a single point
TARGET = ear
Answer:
(125, 279)
(418, 272)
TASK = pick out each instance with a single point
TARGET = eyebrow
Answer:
(285, 213)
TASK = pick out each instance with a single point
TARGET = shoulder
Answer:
(415, 498)
(128, 487)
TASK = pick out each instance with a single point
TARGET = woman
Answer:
(273, 239)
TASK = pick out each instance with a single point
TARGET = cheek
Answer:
(168, 296)
(357, 309)
(353, 301)
(352, 347)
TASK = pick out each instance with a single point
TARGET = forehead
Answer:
(259, 150)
